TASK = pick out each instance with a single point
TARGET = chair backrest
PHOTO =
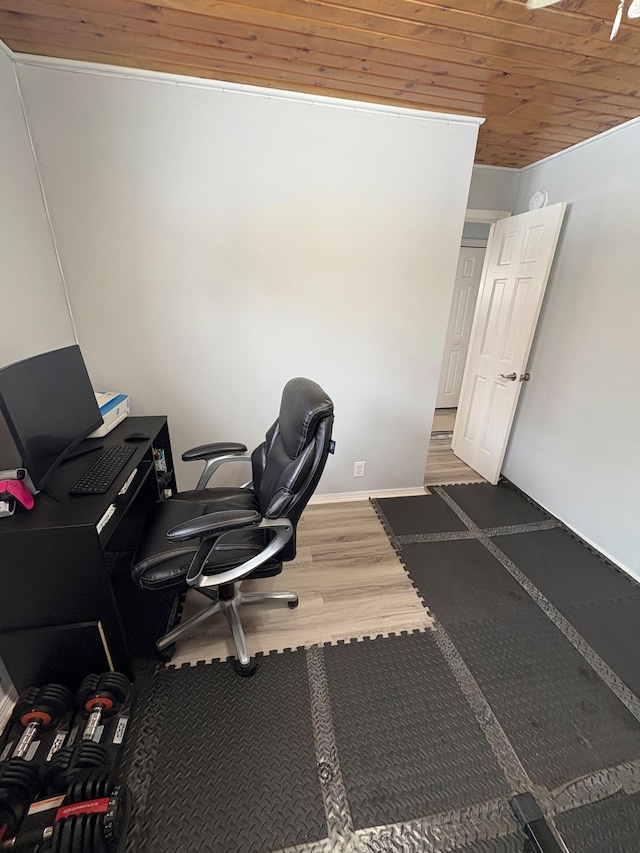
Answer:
(289, 463)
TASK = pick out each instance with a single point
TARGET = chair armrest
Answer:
(209, 451)
(282, 529)
(213, 524)
(214, 455)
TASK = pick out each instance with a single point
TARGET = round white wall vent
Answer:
(538, 200)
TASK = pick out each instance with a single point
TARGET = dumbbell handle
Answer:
(28, 840)
(93, 722)
(27, 739)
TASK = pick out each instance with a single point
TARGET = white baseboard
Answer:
(596, 547)
(341, 497)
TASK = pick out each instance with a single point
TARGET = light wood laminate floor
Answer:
(443, 419)
(349, 580)
(443, 466)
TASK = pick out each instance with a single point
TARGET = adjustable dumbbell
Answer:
(94, 818)
(19, 783)
(101, 696)
(102, 831)
(39, 709)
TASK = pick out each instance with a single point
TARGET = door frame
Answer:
(491, 216)
(537, 269)
(472, 214)
(477, 215)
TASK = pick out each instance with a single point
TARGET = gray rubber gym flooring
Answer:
(414, 742)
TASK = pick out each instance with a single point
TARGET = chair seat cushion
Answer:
(233, 494)
(160, 563)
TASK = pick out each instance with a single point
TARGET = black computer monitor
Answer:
(49, 407)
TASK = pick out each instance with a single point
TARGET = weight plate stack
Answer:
(70, 763)
(102, 832)
(112, 687)
(49, 705)
(19, 783)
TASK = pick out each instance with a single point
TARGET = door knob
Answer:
(525, 377)
(511, 376)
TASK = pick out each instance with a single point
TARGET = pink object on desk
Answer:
(17, 489)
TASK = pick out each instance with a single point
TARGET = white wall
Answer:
(35, 317)
(476, 231)
(575, 446)
(493, 188)
(216, 243)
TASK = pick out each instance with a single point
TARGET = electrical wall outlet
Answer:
(358, 469)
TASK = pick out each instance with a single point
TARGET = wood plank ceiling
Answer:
(544, 79)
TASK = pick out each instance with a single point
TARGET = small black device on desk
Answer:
(137, 436)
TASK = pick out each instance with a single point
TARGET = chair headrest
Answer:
(304, 403)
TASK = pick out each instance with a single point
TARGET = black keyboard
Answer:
(104, 470)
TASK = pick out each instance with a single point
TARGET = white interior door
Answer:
(463, 303)
(516, 269)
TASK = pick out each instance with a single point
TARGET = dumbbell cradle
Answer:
(101, 697)
(38, 710)
(53, 752)
(93, 817)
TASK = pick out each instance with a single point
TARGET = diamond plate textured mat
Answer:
(561, 719)
(564, 570)
(420, 514)
(495, 506)
(612, 628)
(509, 844)
(233, 762)
(409, 744)
(521, 606)
(611, 826)
(601, 602)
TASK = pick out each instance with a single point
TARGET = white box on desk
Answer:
(114, 408)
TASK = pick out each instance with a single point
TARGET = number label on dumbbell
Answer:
(121, 728)
(46, 805)
(58, 743)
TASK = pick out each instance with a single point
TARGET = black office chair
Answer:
(211, 539)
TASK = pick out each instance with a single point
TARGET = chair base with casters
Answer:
(212, 539)
(227, 600)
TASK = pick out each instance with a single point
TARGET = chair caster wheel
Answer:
(247, 670)
(166, 654)
(292, 604)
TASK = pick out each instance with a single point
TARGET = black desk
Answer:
(59, 618)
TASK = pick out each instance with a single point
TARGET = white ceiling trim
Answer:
(582, 144)
(78, 67)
